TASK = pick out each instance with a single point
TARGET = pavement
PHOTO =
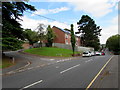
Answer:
(108, 78)
(18, 65)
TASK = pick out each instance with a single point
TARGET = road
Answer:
(75, 73)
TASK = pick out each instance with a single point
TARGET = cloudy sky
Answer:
(62, 13)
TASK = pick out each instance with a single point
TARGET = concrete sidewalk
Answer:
(19, 64)
(109, 76)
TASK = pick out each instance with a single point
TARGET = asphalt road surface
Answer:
(77, 73)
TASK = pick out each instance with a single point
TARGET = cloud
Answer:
(34, 23)
(112, 29)
(114, 20)
(97, 8)
(107, 32)
(50, 11)
(66, 0)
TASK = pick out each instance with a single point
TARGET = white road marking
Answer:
(69, 68)
(30, 68)
(10, 72)
(57, 66)
(98, 73)
(31, 85)
(21, 70)
(52, 59)
(42, 65)
(62, 60)
(58, 61)
(89, 60)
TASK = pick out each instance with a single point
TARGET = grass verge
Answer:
(6, 62)
(51, 51)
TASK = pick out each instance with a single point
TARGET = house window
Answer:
(76, 39)
(66, 35)
(66, 41)
(76, 44)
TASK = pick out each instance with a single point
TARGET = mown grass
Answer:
(51, 51)
(6, 62)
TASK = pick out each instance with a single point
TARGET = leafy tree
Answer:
(12, 33)
(11, 43)
(67, 29)
(31, 36)
(50, 36)
(73, 41)
(113, 43)
(89, 31)
(41, 33)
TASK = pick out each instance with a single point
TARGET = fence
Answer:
(77, 48)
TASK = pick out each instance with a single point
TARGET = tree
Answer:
(113, 43)
(90, 32)
(12, 33)
(11, 43)
(50, 36)
(73, 41)
(41, 33)
(31, 36)
(67, 29)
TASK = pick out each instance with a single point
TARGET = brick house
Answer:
(26, 45)
(63, 36)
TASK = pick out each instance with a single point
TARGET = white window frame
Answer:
(66, 35)
(66, 41)
(76, 38)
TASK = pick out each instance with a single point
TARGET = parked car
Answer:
(92, 53)
(98, 53)
(102, 53)
(86, 54)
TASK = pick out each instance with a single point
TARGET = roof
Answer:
(62, 30)
(65, 31)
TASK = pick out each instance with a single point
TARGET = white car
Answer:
(86, 54)
(98, 53)
(92, 53)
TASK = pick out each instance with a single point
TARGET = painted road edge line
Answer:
(98, 74)
(28, 63)
(15, 71)
(31, 85)
(69, 68)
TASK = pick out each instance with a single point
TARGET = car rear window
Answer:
(85, 52)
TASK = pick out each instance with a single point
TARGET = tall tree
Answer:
(41, 33)
(90, 32)
(113, 43)
(73, 41)
(67, 29)
(50, 36)
(31, 36)
(12, 33)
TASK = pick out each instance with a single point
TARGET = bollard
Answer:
(13, 60)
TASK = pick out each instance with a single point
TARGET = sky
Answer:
(62, 13)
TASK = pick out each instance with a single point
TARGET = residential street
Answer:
(73, 73)
(54, 44)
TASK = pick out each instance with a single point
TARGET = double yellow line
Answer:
(98, 74)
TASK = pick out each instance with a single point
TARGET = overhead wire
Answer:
(47, 17)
